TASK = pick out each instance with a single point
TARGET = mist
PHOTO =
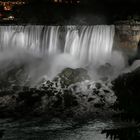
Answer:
(31, 54)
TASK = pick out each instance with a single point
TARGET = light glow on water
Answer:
(92, 44)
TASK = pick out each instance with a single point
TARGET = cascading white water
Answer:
(90, 44)
(35, 38)
(47, 50)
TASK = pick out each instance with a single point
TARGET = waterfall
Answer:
(90, 44)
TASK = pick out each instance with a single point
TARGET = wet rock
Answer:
(98, 85)
(90, 99)
(74, 99)
(71, 76)
(128, 36)
(98, 105)
(95, 91)
(69, 100)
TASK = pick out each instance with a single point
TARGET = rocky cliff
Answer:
(127, 36)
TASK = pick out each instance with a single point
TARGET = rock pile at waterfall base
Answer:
(76, 99)
(70, 76)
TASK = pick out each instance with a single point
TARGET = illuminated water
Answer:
(90, 44)
(54, 48)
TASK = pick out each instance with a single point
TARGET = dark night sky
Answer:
(132, 5)
(90, 11)
(98, 1)
(111, 9)
(103, 3)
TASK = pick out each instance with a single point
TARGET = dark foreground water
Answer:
(58, 130)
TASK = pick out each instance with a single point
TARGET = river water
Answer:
(37, 129)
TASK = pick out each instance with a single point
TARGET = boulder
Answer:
(71, 76)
